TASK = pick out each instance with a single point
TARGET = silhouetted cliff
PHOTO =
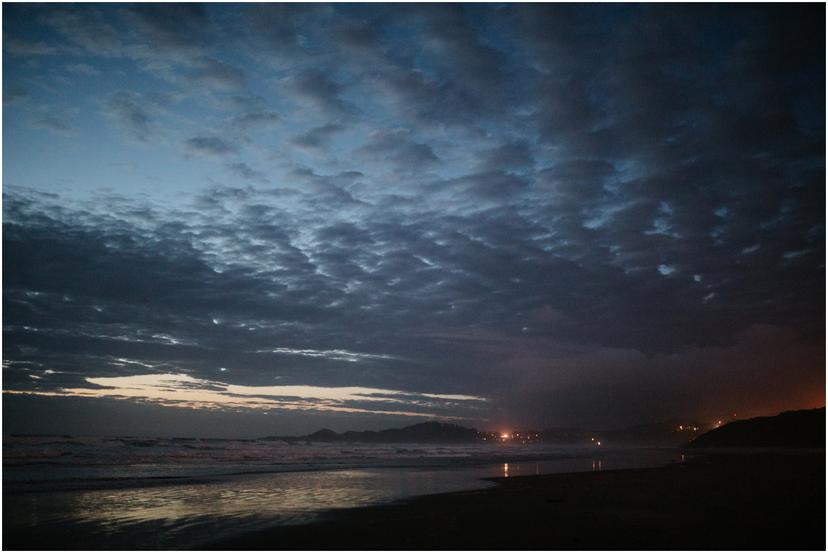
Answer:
(789, 429)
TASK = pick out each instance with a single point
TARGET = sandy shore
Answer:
(764, 501)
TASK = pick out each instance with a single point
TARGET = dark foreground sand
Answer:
(766, 501)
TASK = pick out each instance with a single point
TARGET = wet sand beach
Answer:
(733, 501)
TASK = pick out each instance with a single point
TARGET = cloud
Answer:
(174, 28)
(335, 354)
(131, 111)
(397, 148)
(257, 119)
(83, 69)
(183, 391)
(57, 122)
(209, 145)
(498, 201)
(317, 137)
(319, 89)
(357, 37)
(279, 27)
(23, 47)
(458, 47)
(89, 29)
(488, 185)
(246, 172)
(214, 73)
(14, 94)
(509, 156)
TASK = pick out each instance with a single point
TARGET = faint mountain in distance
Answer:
(656, 434)
(426, 432)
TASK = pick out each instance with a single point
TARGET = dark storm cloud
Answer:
(557, 207)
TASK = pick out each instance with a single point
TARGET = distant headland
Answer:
(804, 428)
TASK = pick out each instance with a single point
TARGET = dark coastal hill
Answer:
(660, 434)
(795, 429)
(789, 429)
(427, 432)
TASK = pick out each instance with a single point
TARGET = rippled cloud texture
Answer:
(499, 214)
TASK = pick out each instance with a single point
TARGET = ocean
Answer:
(181, 493)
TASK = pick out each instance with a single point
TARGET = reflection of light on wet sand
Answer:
(240, 502)
(186, 515)
(180, 390)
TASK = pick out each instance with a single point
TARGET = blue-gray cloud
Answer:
(551, 206)
(209, 145)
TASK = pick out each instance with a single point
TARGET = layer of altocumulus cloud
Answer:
(180, 390)
(520, 202)
(335, 354)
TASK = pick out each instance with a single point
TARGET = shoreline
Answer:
(728, 500)
(72, 483)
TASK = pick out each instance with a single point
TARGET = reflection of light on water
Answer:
(506, 470)
(597, 464)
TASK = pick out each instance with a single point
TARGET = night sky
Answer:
(240, 220)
